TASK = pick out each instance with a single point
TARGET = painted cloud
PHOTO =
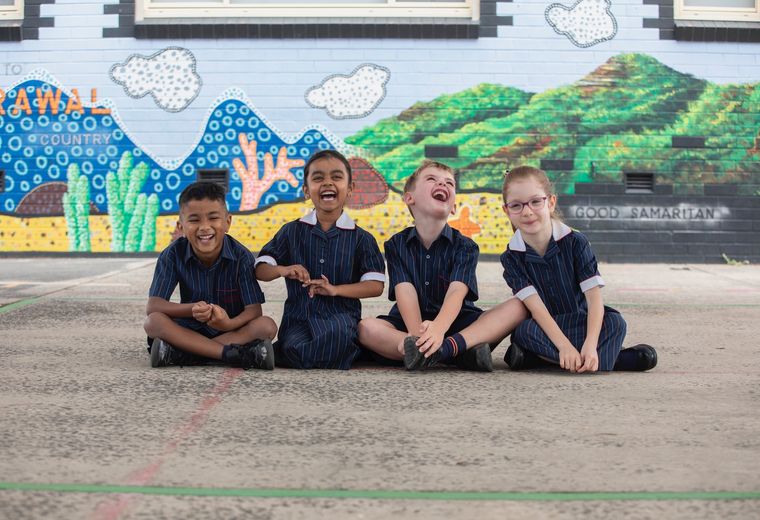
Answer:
(353, 96)
(169, 76)
(586, 23)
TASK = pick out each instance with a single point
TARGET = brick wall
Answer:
(662, 227)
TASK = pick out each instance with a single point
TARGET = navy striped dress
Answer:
(560, 278)
(230, 282)
(321, 332)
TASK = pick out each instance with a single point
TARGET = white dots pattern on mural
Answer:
(351, 96)
(586, 23)
(169, 76)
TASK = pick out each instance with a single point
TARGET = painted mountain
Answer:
(48, 138)
(631, 114)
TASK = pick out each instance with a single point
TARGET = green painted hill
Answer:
(620, 117)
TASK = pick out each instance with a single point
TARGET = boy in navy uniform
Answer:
(328, 263)
(432, 278)
(219, 316)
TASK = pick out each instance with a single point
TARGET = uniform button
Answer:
(321, 260)
(427, 283)
(427, 256)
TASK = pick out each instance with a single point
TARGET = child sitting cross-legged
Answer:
(432, 278)
(329, 263)
(219, 316)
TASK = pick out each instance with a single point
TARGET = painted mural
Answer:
(74, 179)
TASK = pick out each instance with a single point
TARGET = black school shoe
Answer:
(477, 359)
(163, 354)
(256, 354)
(416, 360)
(517, 358)
(637, 358)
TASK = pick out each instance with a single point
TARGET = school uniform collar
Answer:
(559, 231)
(446, 232)
(226, 252)
(343, 222)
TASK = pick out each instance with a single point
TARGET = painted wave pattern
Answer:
(38, 148)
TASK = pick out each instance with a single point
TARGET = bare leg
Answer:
(262, 327)
(381, 337)
(159, 325)
(496, 323)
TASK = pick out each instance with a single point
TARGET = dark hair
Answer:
(329, 154)
(202, 190)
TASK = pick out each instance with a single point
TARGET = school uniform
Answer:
(321, 332)
(560, 278)
(229, 283)
(452, 257)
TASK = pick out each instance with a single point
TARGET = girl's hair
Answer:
(329, 154)
(530, 172)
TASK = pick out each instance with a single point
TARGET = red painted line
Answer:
(113, 508)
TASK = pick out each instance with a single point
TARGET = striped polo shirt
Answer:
(229, 282)
(345, 254)
(452, 257)
(560, 277)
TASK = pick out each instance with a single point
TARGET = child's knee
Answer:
(267, 328)
(154, 324)
(523, 334)
(367, 328)
(615, 322)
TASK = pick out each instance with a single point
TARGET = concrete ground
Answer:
(89, 430)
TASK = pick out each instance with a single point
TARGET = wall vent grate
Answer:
(220, 176)
(639, 182)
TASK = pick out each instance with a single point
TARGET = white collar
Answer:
(559, 231)
(343, 222)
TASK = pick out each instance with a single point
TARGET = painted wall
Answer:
(99, 131)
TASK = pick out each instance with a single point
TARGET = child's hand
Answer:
(202, 311)
(295, 272)
(322, 287)
(569, 358)
(589, 358)
(219, 318)
(431, 338)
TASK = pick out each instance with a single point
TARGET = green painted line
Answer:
(18, 304)
(686, 305)
(370, 302)
(381, 494)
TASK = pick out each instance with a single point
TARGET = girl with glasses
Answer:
(553, 270)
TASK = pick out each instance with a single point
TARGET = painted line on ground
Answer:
(112, 508)
(71, 284)
(19, 304)
(559, 496)
(484, 304)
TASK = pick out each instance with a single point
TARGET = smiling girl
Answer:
(328, 263)
(553, 270)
